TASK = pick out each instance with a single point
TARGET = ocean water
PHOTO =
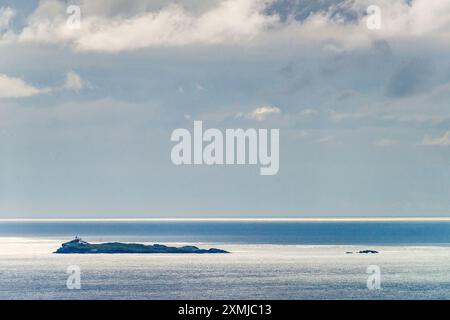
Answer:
(268, 260)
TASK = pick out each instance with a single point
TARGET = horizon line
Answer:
(222, 219)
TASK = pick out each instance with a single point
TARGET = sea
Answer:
(268, 259)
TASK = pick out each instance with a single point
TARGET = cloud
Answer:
(113, 26)
(17, 88)
(199, 87)
(73, 82)
(343, 23)
(417, 18)
(385, 143)
(400, 18)
(229, 21)
(6, 14)
(443, 140)
(262, 113)
(330, 140)
(11, 87)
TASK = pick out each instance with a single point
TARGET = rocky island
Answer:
(363, 252)
(79, 246)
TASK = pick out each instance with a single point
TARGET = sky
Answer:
(86, 113)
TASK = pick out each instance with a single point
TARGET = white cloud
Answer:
(17, 88)
(11, 87)
(199, 87)
(401, 20)
(429, 20)
(331, 140)
(385, 143)
(443, 140)
(261, 113)
(112, 26)
(73, 82)
(6, 14)
(230, 21)
(418, 18)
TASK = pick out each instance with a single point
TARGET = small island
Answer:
(79, 246)
(363, 252)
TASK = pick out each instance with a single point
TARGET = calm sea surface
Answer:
(404, 233)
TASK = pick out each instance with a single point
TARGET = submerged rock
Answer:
(79, 246)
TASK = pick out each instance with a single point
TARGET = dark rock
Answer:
(367, 251)
(362, 251)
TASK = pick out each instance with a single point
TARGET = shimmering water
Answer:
(267, 261)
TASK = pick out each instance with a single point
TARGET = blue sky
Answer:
(86, 114)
